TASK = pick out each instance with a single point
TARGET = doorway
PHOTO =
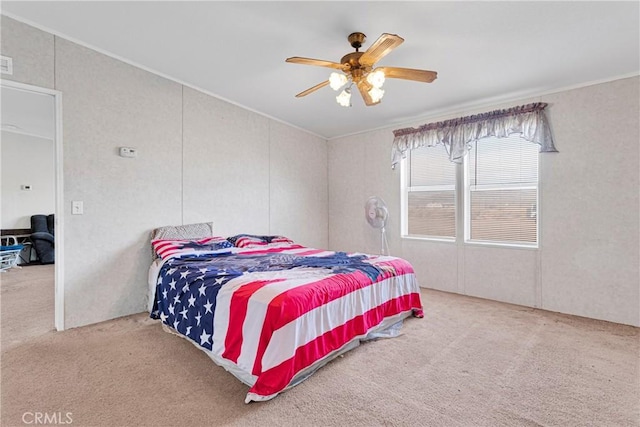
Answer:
(31, 131)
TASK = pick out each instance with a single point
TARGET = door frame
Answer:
(59, 197)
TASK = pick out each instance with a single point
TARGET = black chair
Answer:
(42, 237)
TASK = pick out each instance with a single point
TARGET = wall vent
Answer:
(6, 65)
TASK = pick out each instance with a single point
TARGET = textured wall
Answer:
(226, 175)
(359, 167)
(32, 51)
(279, 173)
(199, 159)
(587, 263)
(108, 104)
(298, 195)
(26, 160)
(591, 258)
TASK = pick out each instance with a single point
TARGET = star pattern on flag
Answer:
(204, 338)
(186, 297)
(207, 307)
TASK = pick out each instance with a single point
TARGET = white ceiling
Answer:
(28, 113)
(483, 51)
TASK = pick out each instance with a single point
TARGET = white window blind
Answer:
(431, 193)
(501, 200)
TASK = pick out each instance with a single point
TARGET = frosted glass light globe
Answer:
(376, 79)
(344, 98)
(376, 94)
(337, 80)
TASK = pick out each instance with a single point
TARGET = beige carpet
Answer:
(470, 362)
(27, 304)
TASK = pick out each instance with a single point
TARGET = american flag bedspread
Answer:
(271, 316)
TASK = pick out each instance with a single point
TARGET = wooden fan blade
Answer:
(317, 62)
(385, 44)
(364, 87)
(312, 89)
(408, 74)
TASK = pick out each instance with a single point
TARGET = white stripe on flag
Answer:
(317, 322)
(259, 304)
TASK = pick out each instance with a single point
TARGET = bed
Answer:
(271, 311)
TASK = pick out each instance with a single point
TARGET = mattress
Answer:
(273, 315)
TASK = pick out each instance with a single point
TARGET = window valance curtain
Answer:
(528, 120)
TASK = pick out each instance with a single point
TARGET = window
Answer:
(430, 194)
(502, 191)
(499, 201)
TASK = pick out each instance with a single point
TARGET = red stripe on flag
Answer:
(244, 241)
(295, 302)
(168, 247)
(250, 251)
(237, 314)
(278, 378)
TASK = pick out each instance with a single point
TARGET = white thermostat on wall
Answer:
(6, 65)
(25, 187)
(128, 152)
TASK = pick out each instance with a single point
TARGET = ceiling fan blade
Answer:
(385, 44)
(409, 74)
(312, 89)
(317, 62)
(364, 87)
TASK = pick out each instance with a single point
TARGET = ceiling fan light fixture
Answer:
(358, 68)
(337, 80)
(344, 98)
(376, 79)
(376, 94)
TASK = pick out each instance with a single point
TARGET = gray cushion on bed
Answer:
(182, 232)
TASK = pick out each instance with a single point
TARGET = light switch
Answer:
(77, 207)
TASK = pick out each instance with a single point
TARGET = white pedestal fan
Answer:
(376, 213)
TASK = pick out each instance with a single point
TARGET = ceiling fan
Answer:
(358, 69)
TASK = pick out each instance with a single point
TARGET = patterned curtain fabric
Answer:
(528, 120)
